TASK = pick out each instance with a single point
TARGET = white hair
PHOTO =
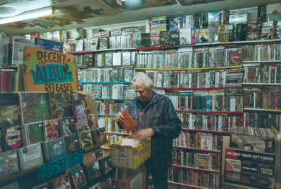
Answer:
(141, 78)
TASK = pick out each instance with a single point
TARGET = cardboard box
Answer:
(129, 157)
(135, 181)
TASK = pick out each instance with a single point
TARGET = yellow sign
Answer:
(49, 71)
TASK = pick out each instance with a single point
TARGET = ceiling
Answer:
(70, 14)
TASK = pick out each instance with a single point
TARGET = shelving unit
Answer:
(185, 185)
(189, 69)
(104, 83)
(197, 169)
(103, 50)
(197, 149)
(200, 89)
(207, 131)
(221, 88)
(207, 112)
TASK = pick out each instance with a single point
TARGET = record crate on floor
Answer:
(130, 179)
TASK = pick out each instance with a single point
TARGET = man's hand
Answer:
(119, 117)
(143, 134)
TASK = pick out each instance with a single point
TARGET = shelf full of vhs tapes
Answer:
(210, 102)
(205, 81)
(51, 139)
(205, 85)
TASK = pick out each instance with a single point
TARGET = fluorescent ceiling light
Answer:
(28, 15)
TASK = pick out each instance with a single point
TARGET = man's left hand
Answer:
(143, 134)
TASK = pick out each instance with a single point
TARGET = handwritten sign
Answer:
(49, 71)
(56, 167)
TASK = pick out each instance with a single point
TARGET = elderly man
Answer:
(156, 118)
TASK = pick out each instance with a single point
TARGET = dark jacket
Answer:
(160, 115)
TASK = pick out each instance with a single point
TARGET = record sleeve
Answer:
(92, 155)
(9, 114)
(174, 37)
(78, 178)
(164, 38)
(92, 121)
(105, 165)
(101, 136)
(12, 137)
(60, 105)
(34, 133)
(54, 149)
(49, 44)
(80, 113)
(103, 42)
(93, 170)
(61, 182)
(51, 129)
(93, 43)
(86, 140)
(35, 107)
(72, 143)
(8, 163)
(129, 123)
(78, 98)
(67, 126)
(30, 156)
(82, 126)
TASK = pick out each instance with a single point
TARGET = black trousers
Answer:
(159, 178)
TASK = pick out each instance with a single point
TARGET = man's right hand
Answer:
(119, 117)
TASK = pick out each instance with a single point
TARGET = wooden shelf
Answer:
(208, 112)
(197, 149)
(262, 84)
(261, 61)
(181, 184)
(104, 83)
(200, 88)
(237, 42)
(100, 50)
(187, 69)
(207, 131)
(197, 169)
(185, 185)
(155, 48)
(262, 110)
(175, 47)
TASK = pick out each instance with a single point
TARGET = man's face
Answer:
(143, 93)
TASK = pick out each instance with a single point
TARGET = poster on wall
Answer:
(49, 71)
